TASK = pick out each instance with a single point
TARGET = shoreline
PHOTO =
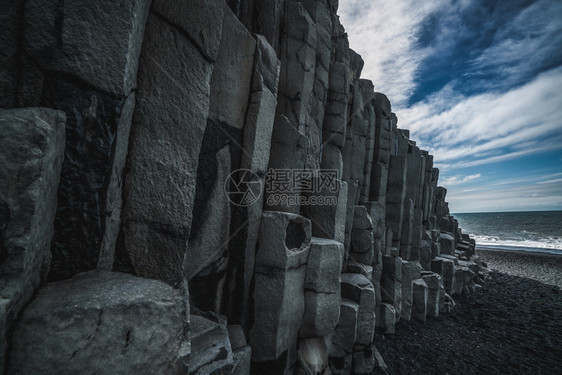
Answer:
(511, 324)
(539, 266)
(520, 250)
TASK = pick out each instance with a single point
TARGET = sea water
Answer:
(525, 231)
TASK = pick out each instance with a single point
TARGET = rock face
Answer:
(279, 295)
(341, 353)
(322, 288)
(165, 141)
(102, 322)
(211, 350)
(88, 70)
(225, 150)
(31, 152)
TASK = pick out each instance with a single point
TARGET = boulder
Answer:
(103, 322)
(468, 277)
(473, 266)
(242, 358)
(448, 304)
(31, 154)
(380, 365)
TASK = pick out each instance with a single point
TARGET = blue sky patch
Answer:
(479, 84)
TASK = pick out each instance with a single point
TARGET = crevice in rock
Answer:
(294, 235)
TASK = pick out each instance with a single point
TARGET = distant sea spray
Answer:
(527, 231)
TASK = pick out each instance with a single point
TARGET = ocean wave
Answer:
(549, 243)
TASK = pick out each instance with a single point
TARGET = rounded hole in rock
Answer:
(294, 235)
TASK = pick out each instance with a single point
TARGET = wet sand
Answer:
(512, 325)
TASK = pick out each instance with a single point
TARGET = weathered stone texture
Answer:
(344, 338)
(329, 218)
(32, 145)
(322, 288)
(59, 36)
(279, 301)
(166, 137)
(88, 70)
(211, 350)
(102, 322)
(359, 289)
(195, 137)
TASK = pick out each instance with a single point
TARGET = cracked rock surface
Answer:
(97, 313)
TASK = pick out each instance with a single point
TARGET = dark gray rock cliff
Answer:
(226, 155)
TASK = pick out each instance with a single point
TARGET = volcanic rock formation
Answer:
(204, 187)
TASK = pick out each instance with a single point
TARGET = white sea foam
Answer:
(524, 231)
(549, 243)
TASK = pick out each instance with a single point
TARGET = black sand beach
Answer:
(512, 325)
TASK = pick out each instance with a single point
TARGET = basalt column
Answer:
(167, 135)
(88, 70)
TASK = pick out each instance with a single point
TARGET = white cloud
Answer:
(530, 40)
(525, 197)
(489, 127)
(458, 179)
(550, 181)
(462, 131)
(465, 131)
(384, 34)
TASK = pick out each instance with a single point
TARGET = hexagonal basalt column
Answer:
(322, 288)
(357, 288)
(279, 303)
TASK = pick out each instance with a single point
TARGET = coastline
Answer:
(511, 324)
(534, 265)
(520, 250)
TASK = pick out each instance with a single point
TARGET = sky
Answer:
(479, 85)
